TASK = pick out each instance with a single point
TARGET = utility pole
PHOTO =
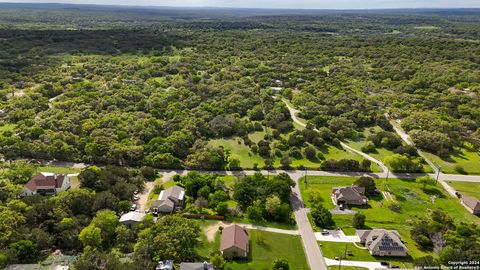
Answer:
(305, 180)
(438, 173)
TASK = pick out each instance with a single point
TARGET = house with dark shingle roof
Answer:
(168, 200)
(235, 243)
(472, 204)
(46, 184)
(349, 195)
(380, 242)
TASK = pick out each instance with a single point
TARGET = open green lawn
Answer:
(413, 202)
(247, 158)
(59, 170)
(239, 151)
(335, 249)
(265, 247)
(467, 158)
(257, 136)
(469, 188)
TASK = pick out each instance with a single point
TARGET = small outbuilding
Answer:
(132, 218)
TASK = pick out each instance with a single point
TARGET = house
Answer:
(349, 195)
(168, 200)
(46, 184)
(472, 204)
(196, 266)
(132, 218)
(165, 265)
(235, 242)
(380, 242)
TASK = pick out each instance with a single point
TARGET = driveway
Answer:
(142, 202)
(369, 265)
(337, 236)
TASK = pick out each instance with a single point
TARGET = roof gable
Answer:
(234, 236)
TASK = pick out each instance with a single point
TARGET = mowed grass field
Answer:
(413, 201)
(265, 247)
(471, 189)
(248, 159)
(467, 158)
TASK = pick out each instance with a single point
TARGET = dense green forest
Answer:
(129, 90)
(136, 87)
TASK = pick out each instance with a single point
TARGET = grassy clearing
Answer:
(426, 27)
(335, 249)
(468, 188)
(257, 136)
(413, 202)
(467, 158)
(239, 151)
(58, 170)
(265, 247)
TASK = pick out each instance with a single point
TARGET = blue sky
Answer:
(319, 4)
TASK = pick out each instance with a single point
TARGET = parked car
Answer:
(133, 207)
(385, 264)
(325, 232)
(342, 207)
(394, 266)
(136, 197)
(458, 194)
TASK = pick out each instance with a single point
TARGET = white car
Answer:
(133, 207)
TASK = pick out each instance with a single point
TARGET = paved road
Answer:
(293, 114)
(312, 250)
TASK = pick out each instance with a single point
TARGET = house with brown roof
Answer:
(235, 243)
(349, 195)
(380, 242)
(168, 200)
(472, 204)
(46, 184)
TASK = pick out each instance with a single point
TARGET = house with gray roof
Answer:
(381, 242)
(472, 204)
(168, 200)
(349, 195)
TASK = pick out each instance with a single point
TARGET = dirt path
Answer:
(142, 202)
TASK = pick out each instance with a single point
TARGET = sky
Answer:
(297, 4)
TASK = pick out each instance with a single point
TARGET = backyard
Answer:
(264, 248)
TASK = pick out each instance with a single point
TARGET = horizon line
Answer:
(228, 7)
